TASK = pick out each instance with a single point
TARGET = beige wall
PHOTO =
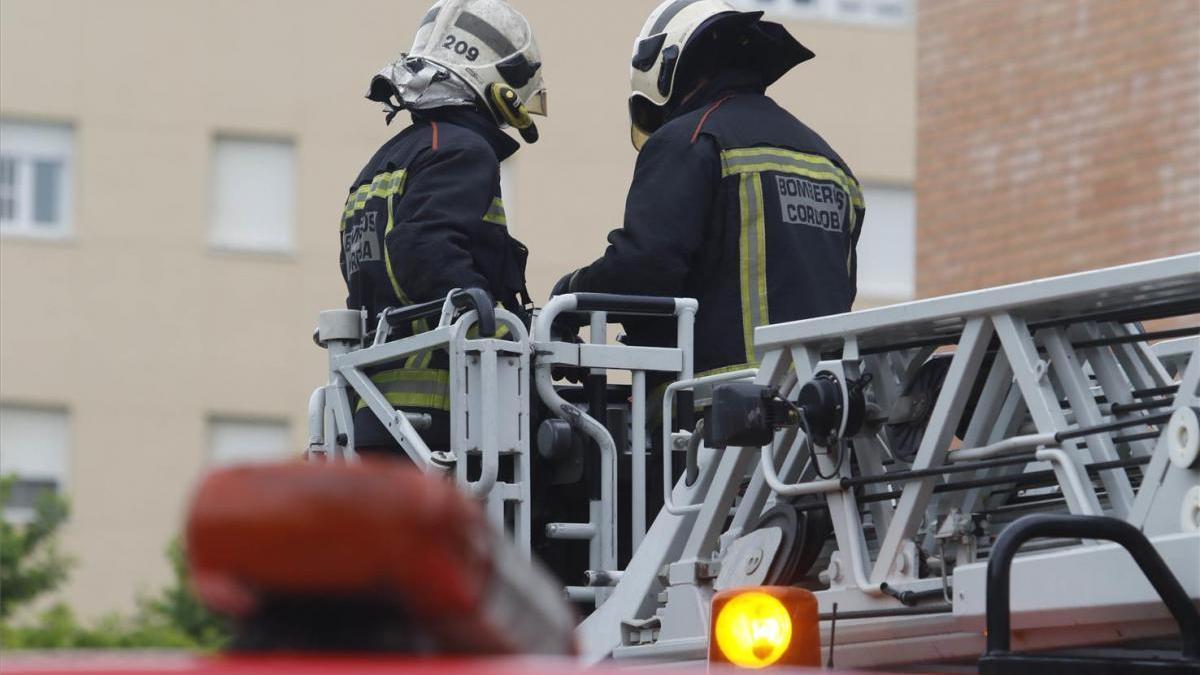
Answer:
(143, 333)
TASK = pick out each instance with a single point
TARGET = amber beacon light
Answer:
(765, 626)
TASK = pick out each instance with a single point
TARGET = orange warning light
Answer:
(764, 626)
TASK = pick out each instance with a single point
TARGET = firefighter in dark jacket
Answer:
(425, 215)
(734, 201)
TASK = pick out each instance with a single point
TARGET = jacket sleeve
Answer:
(675, 184)
(429, 243)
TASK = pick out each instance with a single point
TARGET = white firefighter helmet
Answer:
(468, 49)
(660, 46)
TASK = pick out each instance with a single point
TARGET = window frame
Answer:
(51, 140)
(870, 290)
(214, 241)
(832, 11)
(215, 420)
(59, 472)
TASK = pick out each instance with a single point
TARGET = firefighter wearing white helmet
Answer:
(733, 201)
(425, 215)
(465, 51)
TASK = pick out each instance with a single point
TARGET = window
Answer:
(240, 441)
(855, 11)
(34, 444)
(254, 195)
(35, 178)
(887, 246)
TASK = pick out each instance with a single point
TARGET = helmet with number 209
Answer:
(465, 49)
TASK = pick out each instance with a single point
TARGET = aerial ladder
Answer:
(891, 461)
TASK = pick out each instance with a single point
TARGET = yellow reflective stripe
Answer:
(383, 185)
(853, 228)
(757, 160)
(411, 400)
(435, 375)
(753, 259)
(727, 369)
(495, 213)
(760, 233)
(414, 387)
(419, 359)
(501, 332)
(744, 261)
(654, 402)
(387, 257)
(386, 186)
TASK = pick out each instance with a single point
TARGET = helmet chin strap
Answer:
(390, 110)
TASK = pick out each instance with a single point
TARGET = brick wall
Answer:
(1054, 136)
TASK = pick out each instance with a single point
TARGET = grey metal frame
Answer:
(1059, 354)
(1039, 385)
(602, 528)
(489, 412)
(487, 376)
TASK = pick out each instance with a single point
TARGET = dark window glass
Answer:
(26, 492)
(47, 191)
(8, 188)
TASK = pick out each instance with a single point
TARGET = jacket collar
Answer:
(475, 120)
(719, 85)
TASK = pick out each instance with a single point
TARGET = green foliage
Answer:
(30, 562)
(31, 565)
(178, 608)
(58, 628)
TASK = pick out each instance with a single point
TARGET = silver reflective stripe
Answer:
(487, 34)
(754, 160)
(414, 387)
(668, 14)
(425, 30)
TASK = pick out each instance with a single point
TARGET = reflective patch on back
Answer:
(360, 241)
(819, 204)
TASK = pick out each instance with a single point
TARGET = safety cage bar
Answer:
(489, 404)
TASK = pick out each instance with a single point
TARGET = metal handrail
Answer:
(668, 404)
(1083, 527)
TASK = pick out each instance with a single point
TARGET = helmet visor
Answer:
(645, 118)
(538, 104)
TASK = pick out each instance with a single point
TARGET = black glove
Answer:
(572, 374)
(566, 329)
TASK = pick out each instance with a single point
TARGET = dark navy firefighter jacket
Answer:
(425, 216)
(738, 204)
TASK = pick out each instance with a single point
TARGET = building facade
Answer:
(1054, 137)
(171, 176)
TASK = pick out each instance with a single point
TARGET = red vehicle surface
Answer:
(415, 546)
(112, 664)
